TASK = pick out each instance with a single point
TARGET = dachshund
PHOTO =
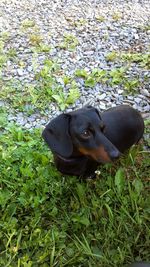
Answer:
(82, 139)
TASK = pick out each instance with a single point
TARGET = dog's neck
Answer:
(71, 159)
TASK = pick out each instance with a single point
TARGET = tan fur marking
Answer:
(96, 154)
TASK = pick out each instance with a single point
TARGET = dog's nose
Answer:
(114, 154)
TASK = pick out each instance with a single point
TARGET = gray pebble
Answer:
(96, 40)
(2, 103)
(145, 92)
(120, 91)
(137, 100)
(146, 108)
(29, 68)
(20, 72)
(28, 125)
(11, 117)
(136, 36)
(102, 96)
(31, 119)
(102, 106)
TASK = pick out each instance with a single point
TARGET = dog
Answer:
(81, 140)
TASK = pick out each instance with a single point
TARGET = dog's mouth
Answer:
(100, 154)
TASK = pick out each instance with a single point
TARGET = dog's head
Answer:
(82, 129)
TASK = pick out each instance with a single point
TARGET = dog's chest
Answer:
(72, 166)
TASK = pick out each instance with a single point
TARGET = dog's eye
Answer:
(86, 134)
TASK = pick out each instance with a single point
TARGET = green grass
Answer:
(27, 23)
(116, 16)
(113, 77)
(142, 59)
(48, 219)
(70, 42)
(100, 18)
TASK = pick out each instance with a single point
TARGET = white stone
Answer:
(136, 36)
(102, 96)
(20, 72)
(145, 92)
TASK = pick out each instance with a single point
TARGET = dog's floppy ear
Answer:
(94, 109)
(56, 135)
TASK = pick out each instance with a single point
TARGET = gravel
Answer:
(100, 27)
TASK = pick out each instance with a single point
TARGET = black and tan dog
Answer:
(82, 139)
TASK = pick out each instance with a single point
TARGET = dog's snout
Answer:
(114, 154)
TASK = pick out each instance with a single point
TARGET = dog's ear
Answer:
(56, 135)
(94, 109)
